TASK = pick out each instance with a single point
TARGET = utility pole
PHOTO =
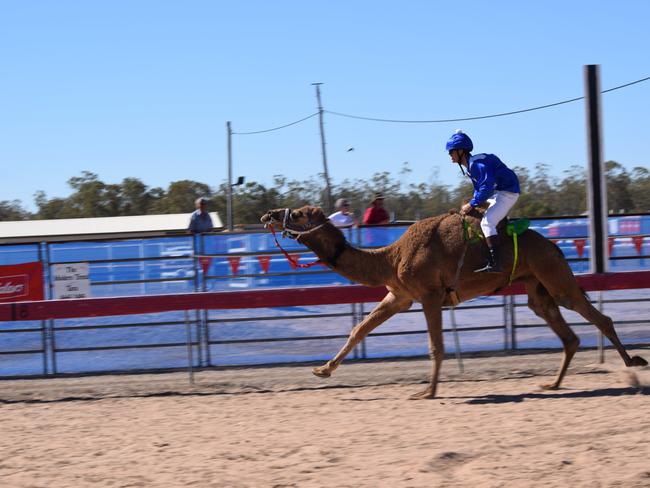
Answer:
(229, 187)
(597, 187)
(328, 188)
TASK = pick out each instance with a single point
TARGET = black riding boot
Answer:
(494, 259)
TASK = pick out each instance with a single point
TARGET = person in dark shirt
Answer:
(200, 220)
(494, 184)
(376, 214)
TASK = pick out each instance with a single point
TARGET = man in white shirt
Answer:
(342, 217)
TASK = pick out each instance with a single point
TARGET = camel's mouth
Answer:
(276, 217)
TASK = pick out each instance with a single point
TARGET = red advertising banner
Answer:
(21, 282)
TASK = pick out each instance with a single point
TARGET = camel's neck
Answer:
(371, 267)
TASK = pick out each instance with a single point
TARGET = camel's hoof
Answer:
(550, 386)
(423, 395)
(321, 372)
(638, 361)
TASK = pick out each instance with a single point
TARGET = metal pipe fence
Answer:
(194, 345)
(176, 266)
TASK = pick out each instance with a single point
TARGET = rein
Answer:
(295, 234)
(293, 262)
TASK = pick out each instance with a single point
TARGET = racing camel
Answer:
(432, 263)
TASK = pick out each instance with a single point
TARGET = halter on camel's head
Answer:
(295, 223)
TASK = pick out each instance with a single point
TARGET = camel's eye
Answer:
(296, 214)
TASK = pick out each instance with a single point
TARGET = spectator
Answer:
(200, 220)
(343, 217)
(376, 214)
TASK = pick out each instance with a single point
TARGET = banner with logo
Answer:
(21, 282)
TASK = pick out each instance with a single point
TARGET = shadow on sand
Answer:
(605, 392)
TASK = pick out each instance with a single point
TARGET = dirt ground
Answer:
(491, 426)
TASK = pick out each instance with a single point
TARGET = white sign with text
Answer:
(70, 280)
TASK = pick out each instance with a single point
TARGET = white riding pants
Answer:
(499, 205)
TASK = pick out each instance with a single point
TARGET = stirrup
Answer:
(489, 268)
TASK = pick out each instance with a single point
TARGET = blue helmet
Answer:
(459, 140)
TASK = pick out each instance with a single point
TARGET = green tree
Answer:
(91, 198)
(180, 197)
(252, 201)
(48, 208)
(12, 210)
(640, 189)
(542, 195)
(537, 195)
(571, 192)
(135, 197)
(619, 197)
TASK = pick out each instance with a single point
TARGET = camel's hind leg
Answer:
(389, 306)
(542, 303)
(582, 305)
(558, 279)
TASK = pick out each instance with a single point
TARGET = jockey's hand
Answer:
(465, 209)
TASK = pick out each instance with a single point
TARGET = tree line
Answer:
(542, 195)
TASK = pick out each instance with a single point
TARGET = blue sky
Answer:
(144, 88)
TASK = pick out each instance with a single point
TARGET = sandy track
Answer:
(277, 427)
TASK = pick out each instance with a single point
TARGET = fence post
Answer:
(44, 341)
(206, 323)
(601, 345)
(361, 313)
(197, 287)
(506, 323)
(459, 359)
(513, 323)
(355, 351)
(50, 322)
(190, 356)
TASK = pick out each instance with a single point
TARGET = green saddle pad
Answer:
(518, 226)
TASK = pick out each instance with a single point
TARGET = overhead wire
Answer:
(437, 121)
(463, 119)
(277, 128)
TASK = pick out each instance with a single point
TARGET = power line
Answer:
(277, 128)
(503, 114)
(627, 84)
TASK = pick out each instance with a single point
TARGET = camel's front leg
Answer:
(432, 307)
(389, 306)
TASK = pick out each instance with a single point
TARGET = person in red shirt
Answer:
(376, 214)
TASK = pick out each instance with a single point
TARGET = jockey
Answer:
(494, 184)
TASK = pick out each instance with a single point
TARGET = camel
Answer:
(433, 263)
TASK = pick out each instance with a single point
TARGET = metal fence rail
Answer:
(195, 339)
(172, 265)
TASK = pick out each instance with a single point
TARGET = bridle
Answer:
(294, 234)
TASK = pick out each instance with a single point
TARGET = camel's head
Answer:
(295, 222)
